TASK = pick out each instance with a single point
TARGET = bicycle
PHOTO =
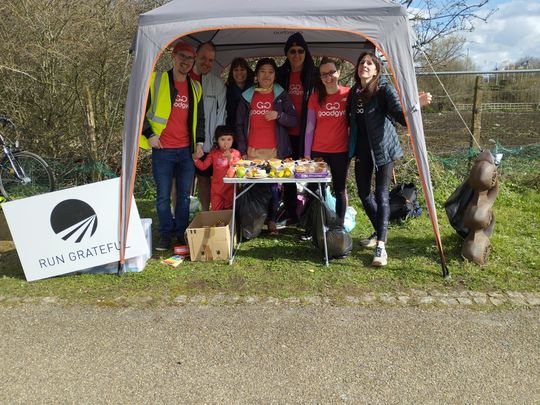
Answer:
(22, 173)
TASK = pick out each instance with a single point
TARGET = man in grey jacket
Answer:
(214, 99)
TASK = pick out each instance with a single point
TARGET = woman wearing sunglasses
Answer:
(297, 76)
(327, 128)
(373, 107)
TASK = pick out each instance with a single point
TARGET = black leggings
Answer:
(338, 163)
(377, 206)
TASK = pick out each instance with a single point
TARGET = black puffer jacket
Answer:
(380, 113)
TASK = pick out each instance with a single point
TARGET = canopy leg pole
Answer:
(120, 270)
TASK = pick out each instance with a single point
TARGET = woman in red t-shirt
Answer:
(327, 128)
(264, 115)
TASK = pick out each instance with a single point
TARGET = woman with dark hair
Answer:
(297, 76)
(264, 114)
(327, 128)
(373, 107)
(239, 79)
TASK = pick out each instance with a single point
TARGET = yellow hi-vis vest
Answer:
(160, 107)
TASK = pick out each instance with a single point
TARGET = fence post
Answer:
(477, 112)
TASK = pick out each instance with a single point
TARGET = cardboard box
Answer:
(209, 242)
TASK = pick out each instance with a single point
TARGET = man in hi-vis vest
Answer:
(174, 129)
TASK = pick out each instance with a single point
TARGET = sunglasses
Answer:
(328, 74)
(187, 58)
(297, 51)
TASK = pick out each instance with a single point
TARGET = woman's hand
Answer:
(271, 115)
(425, 98)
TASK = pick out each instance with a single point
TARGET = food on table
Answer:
(244, 162)
(276, 168)
(231, 172)
(256, 173)
(274, 162)
(240, 171)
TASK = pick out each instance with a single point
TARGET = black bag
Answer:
(252, 209)
(338, 241)
(455, 207)
(403, 203)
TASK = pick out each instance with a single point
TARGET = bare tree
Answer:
(63, 70)
(436, 19)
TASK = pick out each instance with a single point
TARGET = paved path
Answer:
(262, 353)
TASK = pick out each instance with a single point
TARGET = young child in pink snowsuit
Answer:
(221, 157)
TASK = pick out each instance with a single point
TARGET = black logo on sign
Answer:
(74, 220)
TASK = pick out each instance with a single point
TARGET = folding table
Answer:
(250, 182)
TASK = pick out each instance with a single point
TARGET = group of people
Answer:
(198, 126)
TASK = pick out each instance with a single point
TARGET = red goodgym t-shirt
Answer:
(176, 133)
(296, 92)
(262, 133)
(331, 130)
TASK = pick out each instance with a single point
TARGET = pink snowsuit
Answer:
(221, 194)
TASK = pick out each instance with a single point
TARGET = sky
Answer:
(511, 33)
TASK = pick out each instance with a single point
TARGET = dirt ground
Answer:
(6, 243)
(445, 132)
(4, 230)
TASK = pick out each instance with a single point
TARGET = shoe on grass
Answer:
(306, 236)
(181, 240)
(370, 242)
(380, 258)
(272, 228)
(164, 243)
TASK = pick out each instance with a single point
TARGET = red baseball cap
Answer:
(183, 46)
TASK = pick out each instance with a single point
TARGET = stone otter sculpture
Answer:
(478, 215)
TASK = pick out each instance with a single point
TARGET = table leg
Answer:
(233, 222)
(323, 226)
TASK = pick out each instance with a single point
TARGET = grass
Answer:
(283, 266)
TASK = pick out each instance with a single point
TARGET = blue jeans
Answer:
(167, 164)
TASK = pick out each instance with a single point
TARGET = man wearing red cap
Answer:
(174, 129)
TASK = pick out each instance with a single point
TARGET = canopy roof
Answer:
(248, 28)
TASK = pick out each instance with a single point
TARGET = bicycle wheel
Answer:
(38, 176)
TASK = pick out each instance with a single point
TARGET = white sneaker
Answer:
(380, 258)
(370, 242)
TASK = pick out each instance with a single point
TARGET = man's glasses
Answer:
(328, 74)
(187, 58)
(297, 51)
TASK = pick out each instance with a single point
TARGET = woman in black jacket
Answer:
(373, 108)
(239, 79)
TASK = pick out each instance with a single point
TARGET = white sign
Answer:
(71, 230)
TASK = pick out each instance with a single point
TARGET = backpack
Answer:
(338, 242)
(403, 203)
